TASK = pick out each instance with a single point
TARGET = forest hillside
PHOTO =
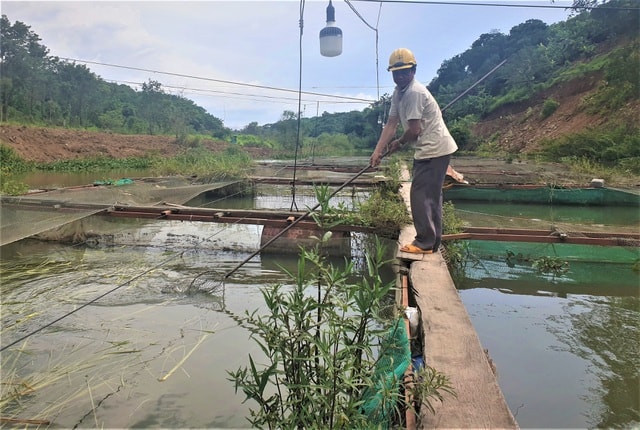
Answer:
(570, 90)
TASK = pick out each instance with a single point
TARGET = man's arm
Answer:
(385, 143)
(386, 146)
(412, 132)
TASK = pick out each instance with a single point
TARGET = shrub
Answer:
(11, 187)
(609, 146)
(11, 162)
(253, 141)
(451, 223)
(385, 211)
(233, 162)
(329, 359)
(548, 108)
(621, 82)
(461, 131)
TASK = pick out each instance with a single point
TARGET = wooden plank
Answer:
(554, 233)
(452, 347)
(315, 181)
(220, 217)
(597, 241)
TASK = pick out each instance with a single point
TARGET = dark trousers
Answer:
(426, 200)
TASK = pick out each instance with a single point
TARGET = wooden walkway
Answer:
(451, 346)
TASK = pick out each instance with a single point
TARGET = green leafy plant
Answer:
(232, 163)
(317, 339)
(549, 107)
(462, 131)
(426, 385)
(385, 211)
(11, 163)
(457, 251)
(330, 216)
(608, 146)
(327, 359)
(551, 265)
(621, 82)
(11, 187)
(96, 163)
(393, 173)
(451, 223)
(511, 258)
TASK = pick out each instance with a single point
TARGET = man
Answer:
(413, 106)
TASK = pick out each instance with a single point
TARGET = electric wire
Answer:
(375, 29)
(299, 120)
(377, 56)
(360, 16)
(244, 84)
(490, 72)
(228, 274)
(243, 96)
(533, 6)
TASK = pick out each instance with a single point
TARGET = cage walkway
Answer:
(34, 213)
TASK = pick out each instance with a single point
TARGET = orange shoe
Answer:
(412, 249)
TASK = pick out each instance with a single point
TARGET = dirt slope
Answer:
(517, 128)
(51, 144)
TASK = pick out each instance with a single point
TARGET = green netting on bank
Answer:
(380, 400)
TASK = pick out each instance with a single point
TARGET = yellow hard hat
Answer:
(400, 59)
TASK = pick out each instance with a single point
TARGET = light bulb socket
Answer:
(331, 36)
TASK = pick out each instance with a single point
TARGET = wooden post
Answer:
(410, 415)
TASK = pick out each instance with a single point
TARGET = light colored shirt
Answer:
(416, 102)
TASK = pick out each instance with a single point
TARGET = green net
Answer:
(50, 213)
(380, 400)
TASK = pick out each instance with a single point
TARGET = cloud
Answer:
(258, 42)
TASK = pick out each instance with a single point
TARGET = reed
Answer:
(327, 350)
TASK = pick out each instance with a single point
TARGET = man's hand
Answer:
(377, 156)
(393, 146)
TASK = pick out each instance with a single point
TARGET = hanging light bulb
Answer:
(331, 36)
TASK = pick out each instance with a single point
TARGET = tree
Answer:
(583, 5)
(79, 92)
(488, 50)
(532, 32)
(452, 71)
(36, 87)
(618, 21)
(571, 41)
(251, 128)
(151, 106)
(288, 128)
(23, 62)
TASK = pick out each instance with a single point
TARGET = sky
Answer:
(245, 61)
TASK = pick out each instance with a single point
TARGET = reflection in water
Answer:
(588, 216)
(148, 354)
(605, 331)
(567, 353)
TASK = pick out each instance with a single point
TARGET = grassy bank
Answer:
(232, 163)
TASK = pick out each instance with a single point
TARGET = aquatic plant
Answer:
(551, 265)
(232, 163)
(320, 341)
(385, 210)
(10, 163)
